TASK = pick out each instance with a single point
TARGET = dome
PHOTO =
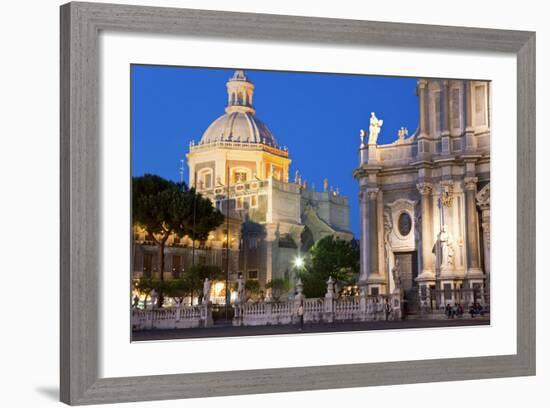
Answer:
(238, 126)
(239, 123)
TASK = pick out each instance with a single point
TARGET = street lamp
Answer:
(299, 262)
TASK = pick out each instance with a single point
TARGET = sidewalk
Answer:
(231, 331)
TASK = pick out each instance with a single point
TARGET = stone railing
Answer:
(179, 317)
(315, 310)
(318, 310)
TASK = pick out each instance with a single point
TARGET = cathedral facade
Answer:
(271, 218)
(425, 198)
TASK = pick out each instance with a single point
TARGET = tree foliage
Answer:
(163, 207)
(330, 256)
(252, 288)
(278, 287)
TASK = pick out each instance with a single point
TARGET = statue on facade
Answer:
(297, 177)
(447, 250)
(240, 289)
(374, 128)
(362, 135)
(325, 185)
(206, 291)
(396, 274)
(402, 133)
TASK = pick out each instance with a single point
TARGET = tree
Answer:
(252, 288)
(163, 207)
(330, 256)
(278, 286)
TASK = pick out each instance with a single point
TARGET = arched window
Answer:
(206, 179)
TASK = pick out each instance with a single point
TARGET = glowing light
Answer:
(299, 262)
(218, 288)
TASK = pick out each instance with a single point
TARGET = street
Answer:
(231, 331)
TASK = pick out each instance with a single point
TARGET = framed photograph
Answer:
(264, 203)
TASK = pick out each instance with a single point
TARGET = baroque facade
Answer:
(270, 218)
(425, 198)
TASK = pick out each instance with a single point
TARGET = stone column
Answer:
(423, 146)
(372, 193)
(446, 133)
(425, 190)
(472, 237)
(483, 202)
(364, 250)
(469, 131)
(422, 83)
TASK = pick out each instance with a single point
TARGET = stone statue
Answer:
(396, 273)
(206, 291)
(297, 177)
(374, 128)
(362, 135)
(447, 250)
(325, 185)
(240, 289)
(154, 297)
(401, 133)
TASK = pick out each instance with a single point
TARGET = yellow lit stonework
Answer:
(240, 167)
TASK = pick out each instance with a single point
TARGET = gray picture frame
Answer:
(81, 24)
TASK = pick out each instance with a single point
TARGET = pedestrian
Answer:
(460, 310)
(448, 310)
(387, 307)
(301, 316)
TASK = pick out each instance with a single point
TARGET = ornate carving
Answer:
(424, 188)
(446, 196)
(470, 183)
(373, 193)
(483, 197)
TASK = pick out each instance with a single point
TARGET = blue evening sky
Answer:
(318, 116)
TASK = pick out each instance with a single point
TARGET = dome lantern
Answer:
(239, 93)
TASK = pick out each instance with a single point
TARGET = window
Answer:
(253, 274)
(252, 242)
(176, 266)
(240, 176)
(239, 203)
(437, 111)
(479, 113)
(147, 264)
(254, 201)
(455, 108)
(447, 291)
(205, 179)
(374, 291)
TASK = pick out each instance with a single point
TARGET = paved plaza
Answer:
(221, 330)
